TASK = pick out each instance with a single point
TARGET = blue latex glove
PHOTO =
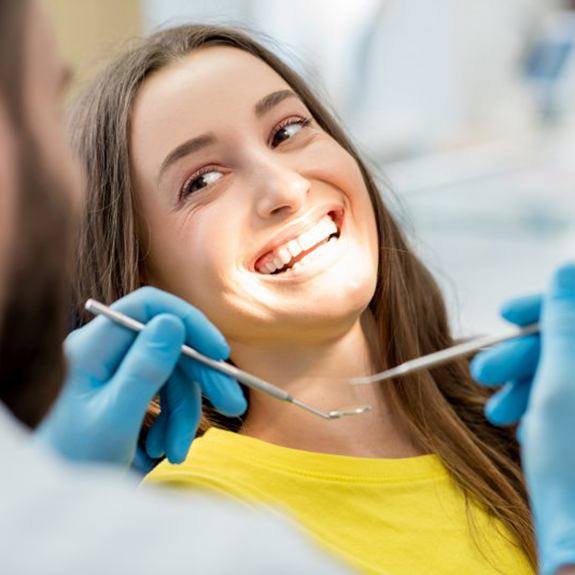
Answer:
(511, 364)
(548, 449)
(114, 373)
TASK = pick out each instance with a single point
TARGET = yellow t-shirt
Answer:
(392, 516)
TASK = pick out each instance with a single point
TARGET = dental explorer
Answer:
(447, 355)
(244, 377)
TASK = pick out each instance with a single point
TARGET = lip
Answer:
(299, 226)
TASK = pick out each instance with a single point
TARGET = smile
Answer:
(301, 250)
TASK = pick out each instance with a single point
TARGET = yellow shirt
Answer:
(392, 516)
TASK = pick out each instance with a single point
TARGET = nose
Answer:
(279, 190)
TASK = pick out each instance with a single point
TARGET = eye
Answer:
(200, 180)
(288, 129)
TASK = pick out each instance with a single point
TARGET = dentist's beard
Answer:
(36, 304)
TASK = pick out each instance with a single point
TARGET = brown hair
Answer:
(443, 409)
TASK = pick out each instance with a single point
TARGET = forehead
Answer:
(204, 86)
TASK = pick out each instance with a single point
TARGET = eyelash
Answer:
(302, 121)
(186, 188)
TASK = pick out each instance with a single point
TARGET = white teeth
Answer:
(269, 267)
(284, 255)
(294, 248)
(312, 256)
(296, 266)
(317, 254)
(331, 228)
(309, 238)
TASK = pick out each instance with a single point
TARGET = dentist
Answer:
(538, 378)
(56, 518)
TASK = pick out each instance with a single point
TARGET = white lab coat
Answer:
(58, 519)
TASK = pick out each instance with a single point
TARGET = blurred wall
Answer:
(90, 31)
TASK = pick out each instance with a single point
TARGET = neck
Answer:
(318, 373)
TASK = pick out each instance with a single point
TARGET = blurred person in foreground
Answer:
(56, 519)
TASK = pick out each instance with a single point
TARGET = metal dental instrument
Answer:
(447, 355)
(247, 379)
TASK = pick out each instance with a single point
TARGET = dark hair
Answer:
(32, 363)
(443, 408)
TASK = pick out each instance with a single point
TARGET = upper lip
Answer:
(299, 226)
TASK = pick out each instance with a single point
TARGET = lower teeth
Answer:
(309, 257)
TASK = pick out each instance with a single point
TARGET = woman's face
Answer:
(247, 208)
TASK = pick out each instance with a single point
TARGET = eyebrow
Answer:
(271, 100)
(193, 145)
(185, 149)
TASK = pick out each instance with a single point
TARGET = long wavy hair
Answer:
(442, 408)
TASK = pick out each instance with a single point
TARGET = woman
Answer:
(215, 174)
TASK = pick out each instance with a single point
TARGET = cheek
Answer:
(360, 199)
(206, 262)
(189, 259)
(363, 213)
(332, 164)
(342, 170)
(205, 278)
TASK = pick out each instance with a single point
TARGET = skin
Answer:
(308, 333)
(7, 198)
(46, 78)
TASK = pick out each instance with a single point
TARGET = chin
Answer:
(333, 313)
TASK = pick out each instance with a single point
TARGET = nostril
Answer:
(281, 210)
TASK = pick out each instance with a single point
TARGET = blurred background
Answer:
(466, 107)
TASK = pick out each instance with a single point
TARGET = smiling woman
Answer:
(215, 173)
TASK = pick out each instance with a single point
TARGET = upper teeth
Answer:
(284, 254)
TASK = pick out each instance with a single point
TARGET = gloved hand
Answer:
(114, 373)
(511, 364)
(547, 427)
